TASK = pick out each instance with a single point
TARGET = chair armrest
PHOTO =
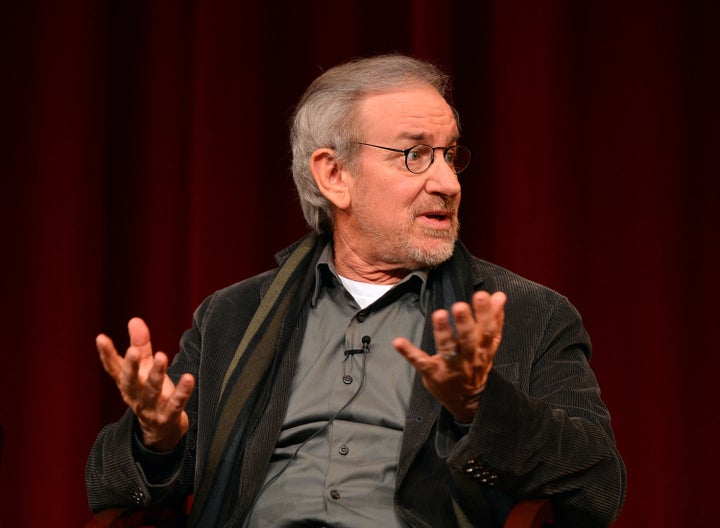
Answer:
(535, 513)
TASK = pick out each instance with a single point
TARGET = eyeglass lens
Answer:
(420, 158)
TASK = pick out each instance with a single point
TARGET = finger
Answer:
(140, 337)
(489, 314)
(445, 340)
(498, 301)
(483, 317)
(153, 386)
(466, 328)
(128, 380)
(110, 359)
(180, 396)
(417, 357)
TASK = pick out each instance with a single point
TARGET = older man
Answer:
(381, 375)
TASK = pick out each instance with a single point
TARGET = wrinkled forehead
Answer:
(418, 113)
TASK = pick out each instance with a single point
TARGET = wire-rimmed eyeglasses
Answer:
(419, 158)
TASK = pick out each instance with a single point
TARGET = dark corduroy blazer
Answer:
(541, 429)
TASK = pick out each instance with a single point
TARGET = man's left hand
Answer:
(457, 373)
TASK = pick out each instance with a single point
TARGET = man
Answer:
(377, 376)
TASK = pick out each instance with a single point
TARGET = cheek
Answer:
(400, 203)
(389, 199)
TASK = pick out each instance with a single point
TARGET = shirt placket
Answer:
(347, 385)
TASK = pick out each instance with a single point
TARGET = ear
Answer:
(330, 177)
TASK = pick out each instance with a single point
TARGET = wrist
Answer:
(163, 440)
(467, 406)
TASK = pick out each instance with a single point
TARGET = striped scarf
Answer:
(246, 384)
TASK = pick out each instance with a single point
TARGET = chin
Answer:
(431, 255)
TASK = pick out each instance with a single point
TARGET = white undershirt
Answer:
(365, 293)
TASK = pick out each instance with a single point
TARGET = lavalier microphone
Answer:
(364, 350)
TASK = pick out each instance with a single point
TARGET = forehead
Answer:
(418, 112)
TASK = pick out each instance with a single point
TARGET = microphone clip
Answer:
(364, 350)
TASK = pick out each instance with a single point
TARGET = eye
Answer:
(451, 154)
(415, 154)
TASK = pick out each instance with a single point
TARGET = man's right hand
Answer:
(147, 389)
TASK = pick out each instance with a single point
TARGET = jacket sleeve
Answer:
(121, 473)
(542, 430)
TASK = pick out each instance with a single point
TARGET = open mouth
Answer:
(435, 216)
(438, 219)
(438, 216)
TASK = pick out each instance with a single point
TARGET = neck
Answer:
(351, 264)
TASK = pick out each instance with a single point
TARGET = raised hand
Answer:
(146, 388)
(457, 374)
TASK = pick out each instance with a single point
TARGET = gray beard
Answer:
(426, 258)
(398, 249)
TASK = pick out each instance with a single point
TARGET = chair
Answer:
(535, 513)
(525, 514)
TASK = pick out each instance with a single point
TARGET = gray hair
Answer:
(325, 117)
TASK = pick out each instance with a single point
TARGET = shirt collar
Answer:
(326, 275)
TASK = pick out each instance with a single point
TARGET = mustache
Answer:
(444, 205)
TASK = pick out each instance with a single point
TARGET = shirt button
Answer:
(344, 450)
(347, 379)
(361, 316)
(334, 494)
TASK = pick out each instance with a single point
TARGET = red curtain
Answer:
(144, 164)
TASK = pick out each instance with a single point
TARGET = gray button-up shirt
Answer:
(336, 458)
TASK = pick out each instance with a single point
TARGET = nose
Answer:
(441, 178)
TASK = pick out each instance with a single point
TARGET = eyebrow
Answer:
(423, 137)
(415, 137)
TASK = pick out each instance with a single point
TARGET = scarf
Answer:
(246, 385)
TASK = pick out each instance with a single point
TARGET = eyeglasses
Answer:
(419, 158)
